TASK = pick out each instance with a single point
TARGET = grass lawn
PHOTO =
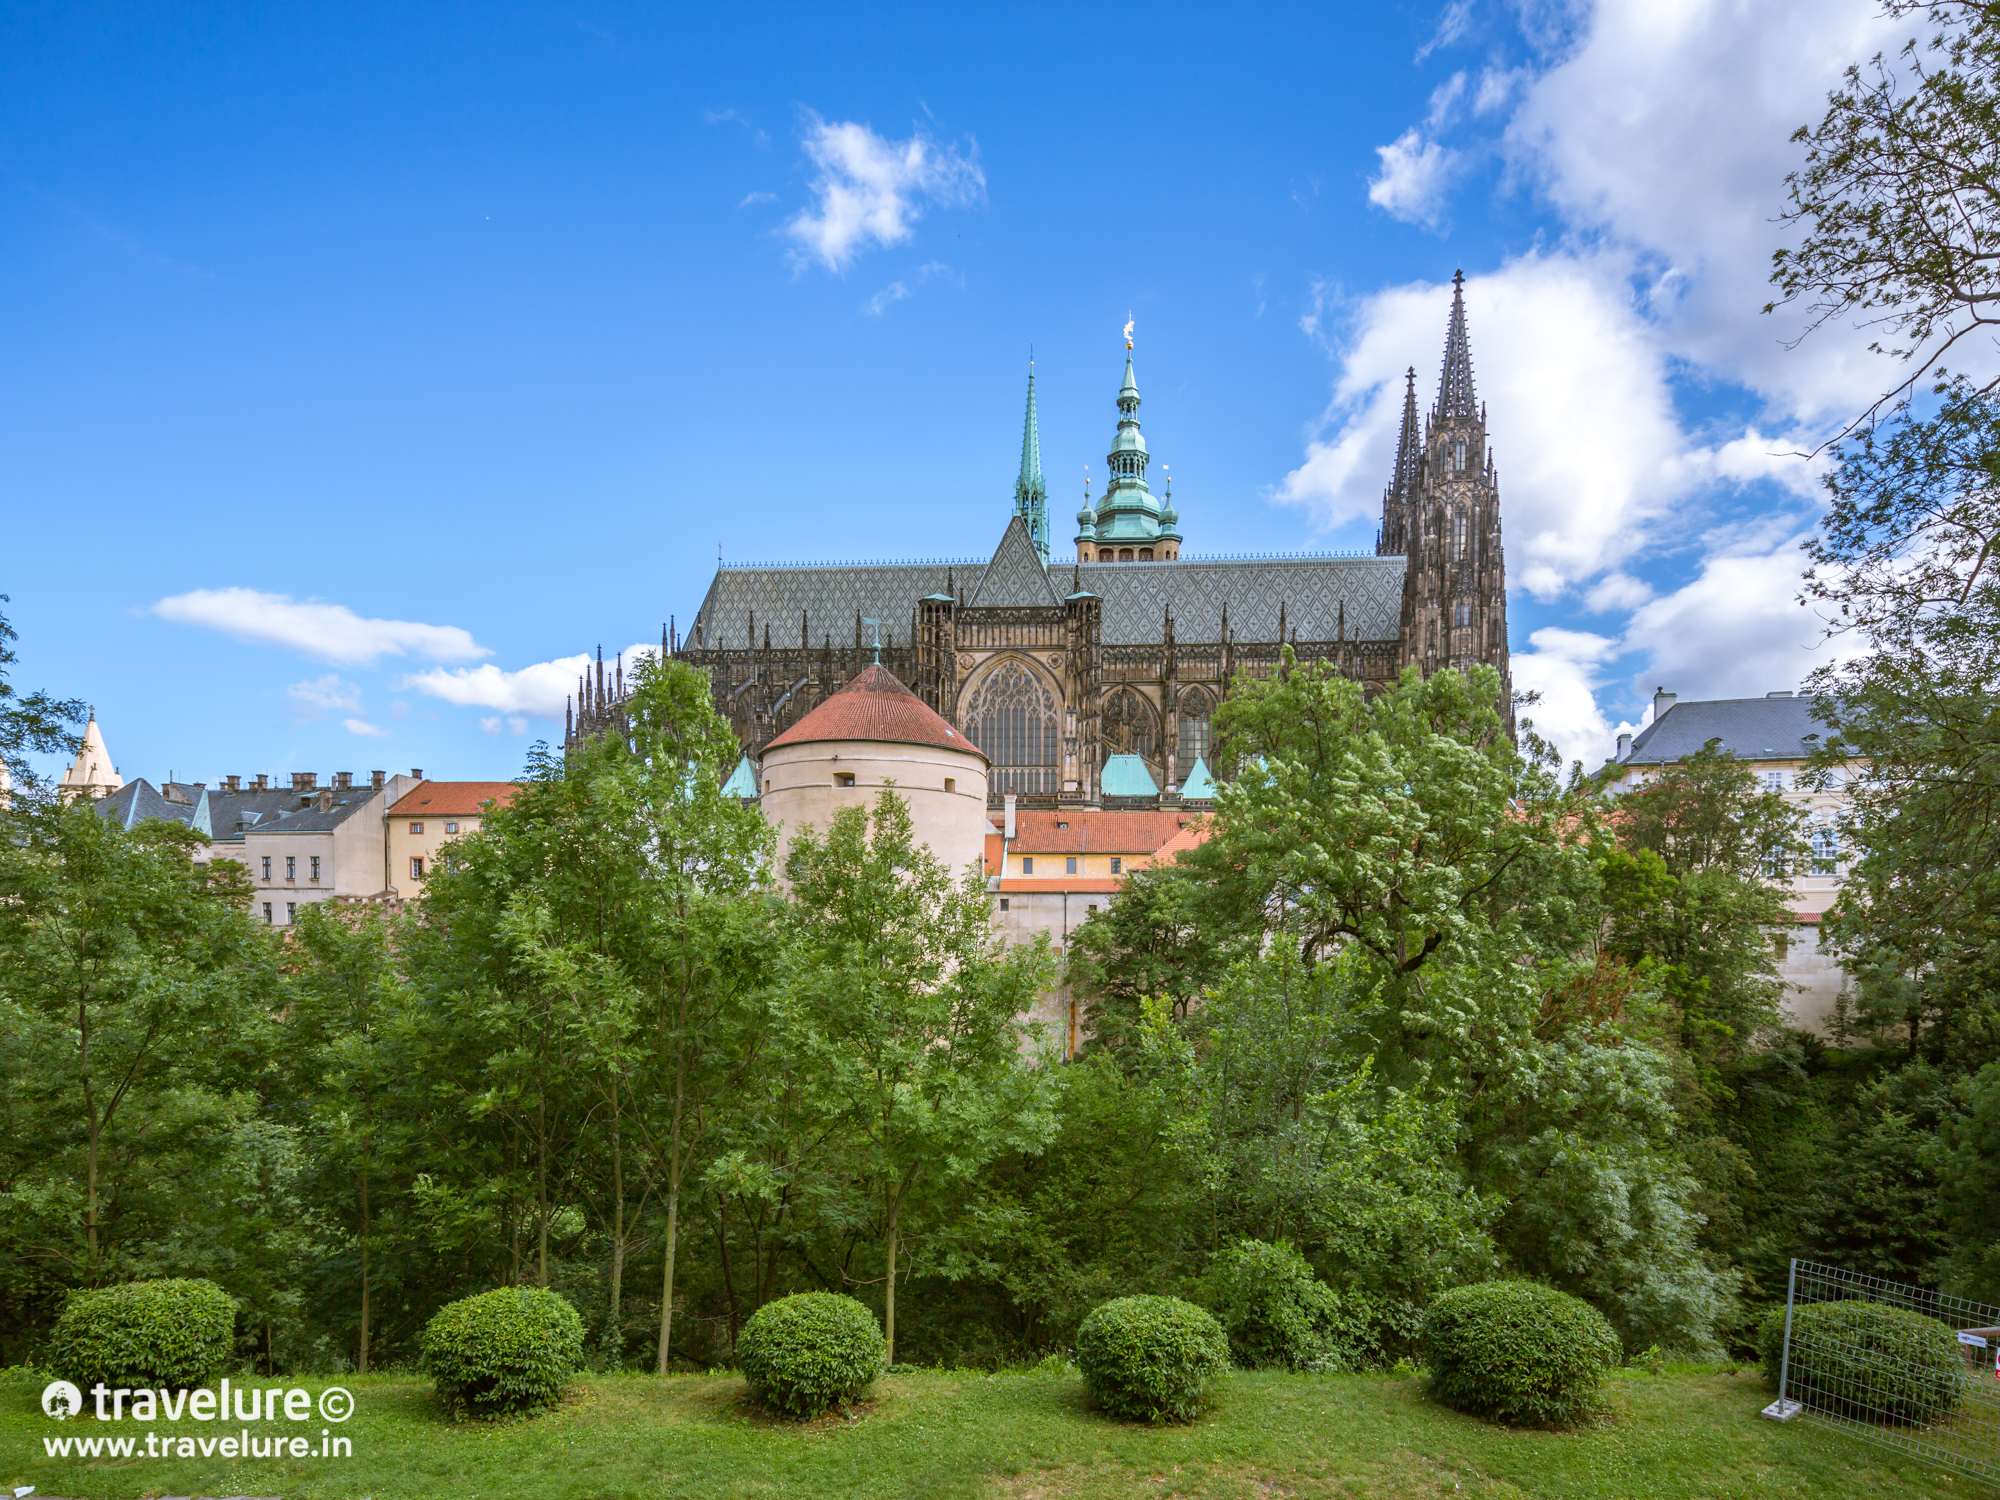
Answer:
(1023, 1436)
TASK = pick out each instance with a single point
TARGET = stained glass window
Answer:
(1011, 715)
(1196, 711)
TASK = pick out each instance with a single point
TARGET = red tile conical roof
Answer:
(876, 706)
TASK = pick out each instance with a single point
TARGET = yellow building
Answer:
(429, 816)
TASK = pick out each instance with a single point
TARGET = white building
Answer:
(1774, 736)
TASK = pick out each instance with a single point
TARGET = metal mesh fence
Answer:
(1903, 1366)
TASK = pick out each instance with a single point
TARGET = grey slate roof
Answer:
(140, 801)
(1750, 728)
(1312, 591)
(1015, 578)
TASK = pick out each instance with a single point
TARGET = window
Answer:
(315, 867)
(267, 908)
(1145, 554)
(1011, 715)
(451, 828)
(843, 778)
(767, 783)
(416, 867)
(1071, 866)
(1027, 864)
(1003, 903)
(1124, 554)
(950, 784)
(1826, 850)
(1062, 825)
(1462, 612)
(1775, 865)
(267, 867)
(291, 912)
(291, 867)
(1093, 906)
(1104, 556)
(1196, 711)
(1774, 781)
(1458, 458)
(416, 828)
(1117, 865)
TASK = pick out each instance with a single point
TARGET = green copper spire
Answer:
(1031, 495)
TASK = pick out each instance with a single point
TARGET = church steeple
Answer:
(1393, 540)
(1455, 388)
(1031, 495)
(1127, 525)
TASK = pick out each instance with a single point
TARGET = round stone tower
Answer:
(870, 733)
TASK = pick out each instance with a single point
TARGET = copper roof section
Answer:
(876, 706)
(453, 799)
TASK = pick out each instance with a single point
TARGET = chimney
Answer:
(417, 772)
(376, 778)
(232, 783)
(1624, 745)
(324, 802)
(1662, 701)
(263, 783)
(342, 780)
(1010, 816)
(304, 781)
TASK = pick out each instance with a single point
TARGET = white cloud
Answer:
(895, 291)
(1566, 667)
(870, 190)
(322, 696)
(750, 198)
(540, 690)
(1414, 178)
(1452, 24)
(1736, 630)
(363, 727)
(330, 632)
(1586, 439)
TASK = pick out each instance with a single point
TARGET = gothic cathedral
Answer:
(1094, 682)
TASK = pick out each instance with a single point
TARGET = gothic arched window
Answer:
(1011, 715)
(1131, 727)
(1197, 711)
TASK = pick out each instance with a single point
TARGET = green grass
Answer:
(1022, 1436)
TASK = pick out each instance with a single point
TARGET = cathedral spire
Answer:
(1031, 495)
(1455, 387)
(1393, 539)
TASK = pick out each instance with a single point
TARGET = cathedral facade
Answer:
(1092, 680)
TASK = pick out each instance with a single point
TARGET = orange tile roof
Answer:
(876, 706)
(449, 799)
(1035, 831)
(1180, 843)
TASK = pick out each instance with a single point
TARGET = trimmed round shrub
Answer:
(167, 1335)
(504, 1351)
(1866, 1361)
(1517, 1352)
(1151, 1359)
(1278, 1314)
(803, 1353)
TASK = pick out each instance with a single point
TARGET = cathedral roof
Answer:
(1315, 593)
(876, 706)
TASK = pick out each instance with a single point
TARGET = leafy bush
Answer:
(1517, 1352)
(508, 1350)
(1277, 1312)
(1151, 1358)
(167, 1335)
(1866, 1361)
(803, 1353)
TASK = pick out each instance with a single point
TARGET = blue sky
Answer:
(365, 363)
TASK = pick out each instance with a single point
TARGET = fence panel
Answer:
(1922, 1377)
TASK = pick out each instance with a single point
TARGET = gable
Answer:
(1015, 578)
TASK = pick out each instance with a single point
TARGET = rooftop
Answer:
(447, 799)
(1749, 728)
(876, 706)
(1044, 831)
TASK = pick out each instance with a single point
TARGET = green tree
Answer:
(129, 973)
(903, 1008)
(29, 723)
